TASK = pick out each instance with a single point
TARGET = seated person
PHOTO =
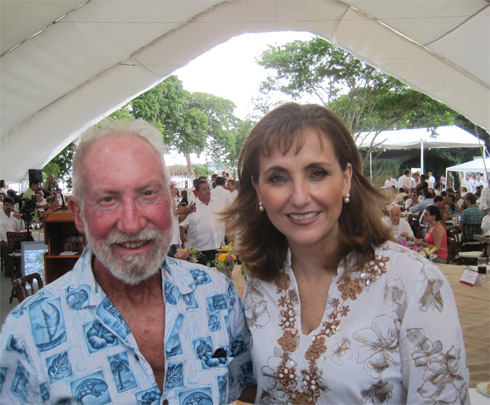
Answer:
(443, 208)
(422, 205)
(54, 204)
(50, 186)
(10, 221)
(399, 226)
(413, 200)
(401, 196)
(470, 215)
(436, 235)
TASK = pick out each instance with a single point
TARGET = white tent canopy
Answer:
(479, 165)
(420, 138)
(67, 64)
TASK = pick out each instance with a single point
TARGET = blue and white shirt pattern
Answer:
(69, 344)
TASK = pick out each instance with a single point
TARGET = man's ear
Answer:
(76, 212)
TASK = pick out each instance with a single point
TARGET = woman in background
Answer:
(436, 235)
(338, 312)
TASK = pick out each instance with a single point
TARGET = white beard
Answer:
(131, 269)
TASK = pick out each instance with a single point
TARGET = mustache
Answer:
(118, 237)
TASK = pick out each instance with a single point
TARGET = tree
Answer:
(189, 122)
(221, 123)
(365, 99)
(60, 165)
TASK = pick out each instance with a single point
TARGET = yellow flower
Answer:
(222, 257)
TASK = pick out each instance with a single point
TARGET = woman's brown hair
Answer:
(260, 245)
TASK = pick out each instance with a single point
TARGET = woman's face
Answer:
(302, 193)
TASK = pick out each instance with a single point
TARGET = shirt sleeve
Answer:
(240, 364)
(433, 358)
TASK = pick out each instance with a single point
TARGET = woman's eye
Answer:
(319, 174)
(277, 178)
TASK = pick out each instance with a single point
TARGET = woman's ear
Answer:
(347, 177)
(256, 187)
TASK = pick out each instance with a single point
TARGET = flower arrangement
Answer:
(227, 257)
(225, 261)
(189, 255)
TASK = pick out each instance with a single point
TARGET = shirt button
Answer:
(136, 357)
(165, 402)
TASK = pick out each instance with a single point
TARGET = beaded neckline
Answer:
(309, 388)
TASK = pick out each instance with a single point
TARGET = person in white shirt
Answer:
(232, 188)
(205, 231)
(485, 199)
(212, 182)
(3, 187)
(220, 192)
(479, 181)
(430, 180)
(390, 182)
(404, 181)
(468, 183)
(412, 201)
(399, 226)
(9, 222)
(192, 192)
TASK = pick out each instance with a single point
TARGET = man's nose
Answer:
(131, 220)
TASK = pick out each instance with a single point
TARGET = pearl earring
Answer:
(261, 207)
(347, 198)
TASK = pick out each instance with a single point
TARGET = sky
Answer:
(229, 70)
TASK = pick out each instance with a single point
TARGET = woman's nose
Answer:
(300, 194)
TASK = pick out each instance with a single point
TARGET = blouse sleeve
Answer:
(433, 358)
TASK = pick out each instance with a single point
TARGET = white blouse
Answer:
(390, 334)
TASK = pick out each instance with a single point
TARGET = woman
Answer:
(339, 312)
(436, 235)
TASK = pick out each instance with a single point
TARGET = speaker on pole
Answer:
(35, 174)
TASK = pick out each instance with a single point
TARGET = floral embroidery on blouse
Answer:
(308, 390)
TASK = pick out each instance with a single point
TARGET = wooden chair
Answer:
(14, 240)
(472, 228)
(21, 285)
(461, 257)
(450, 249)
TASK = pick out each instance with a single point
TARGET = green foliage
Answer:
(364, 98)
(60, 165)
(201, 170)
(189, 122)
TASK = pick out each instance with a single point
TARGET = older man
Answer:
(125, 326)
(399, 226)
(205, 231)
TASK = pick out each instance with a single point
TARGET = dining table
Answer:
(473, 305)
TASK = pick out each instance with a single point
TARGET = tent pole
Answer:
(422, 156)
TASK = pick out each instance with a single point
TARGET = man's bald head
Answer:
(395, 214)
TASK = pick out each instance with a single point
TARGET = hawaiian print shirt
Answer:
(390, 334)
(69, 344)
